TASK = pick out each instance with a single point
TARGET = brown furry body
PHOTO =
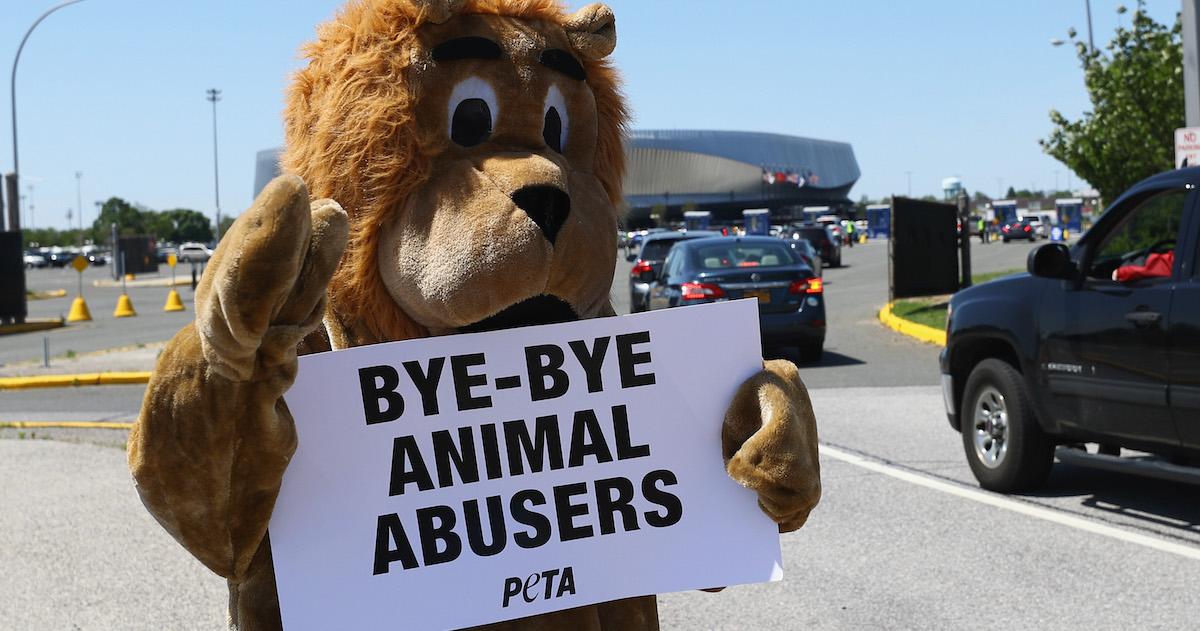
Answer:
(439, 236)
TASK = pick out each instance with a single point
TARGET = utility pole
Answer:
(214, 95)
(1191, 61)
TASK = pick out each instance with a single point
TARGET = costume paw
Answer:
(769, 442)
(264, 289)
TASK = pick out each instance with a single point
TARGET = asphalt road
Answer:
(903, 538)
(152, 324)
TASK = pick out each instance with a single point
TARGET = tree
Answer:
(185, 225)
(1011, 193)
(1136, 90)
(130, 219)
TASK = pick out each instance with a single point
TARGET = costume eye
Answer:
(557, 121)
(473, 111)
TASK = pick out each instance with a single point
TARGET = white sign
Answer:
(1187, 147)
(463, 480)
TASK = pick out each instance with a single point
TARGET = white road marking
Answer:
(1023, 508)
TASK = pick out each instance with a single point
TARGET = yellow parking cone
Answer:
(124, 307)
(79, 311)
(173, 302)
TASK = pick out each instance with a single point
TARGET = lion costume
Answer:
(477, 147)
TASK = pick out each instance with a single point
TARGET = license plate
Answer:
(764, 297)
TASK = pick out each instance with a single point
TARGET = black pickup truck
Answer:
(1065, 355)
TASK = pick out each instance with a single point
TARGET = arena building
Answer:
(725, 172)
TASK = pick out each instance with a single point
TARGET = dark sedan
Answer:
(791, 301)
(648, 262)
(808, 253)
(828, 245)
(1018, 230)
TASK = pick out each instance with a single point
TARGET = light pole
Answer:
(214, 95)
(79, 204)
(14, 181)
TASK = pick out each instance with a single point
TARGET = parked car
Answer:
(1066, 355)
(35, 260)
(194, 253)
(648, 262)
(807, 253)
(791, 301)
(824, 240)
(1018, 230)
(58, 256)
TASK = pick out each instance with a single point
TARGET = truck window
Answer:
(1151, 228)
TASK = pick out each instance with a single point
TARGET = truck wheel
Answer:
(1005, 448)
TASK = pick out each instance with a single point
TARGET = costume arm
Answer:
(214, 436)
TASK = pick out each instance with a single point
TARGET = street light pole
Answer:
(14, 181)
(214, 95)
(79, 204)
(1091, 42)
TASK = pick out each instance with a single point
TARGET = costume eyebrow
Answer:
(564, 62)
(466, 48)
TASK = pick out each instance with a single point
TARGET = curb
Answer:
(912, 329)
(62, 425)
(31, 326)
(67, 381)
(47, 295)
(182, 281)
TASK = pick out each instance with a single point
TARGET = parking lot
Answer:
(902, 539)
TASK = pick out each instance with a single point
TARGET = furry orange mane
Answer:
(351, 134)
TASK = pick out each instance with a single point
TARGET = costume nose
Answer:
(547, 206)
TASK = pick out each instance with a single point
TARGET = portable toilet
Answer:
(1070, 215)
(1006, 211)
(879, 221)
(758, 221)
(697, 219)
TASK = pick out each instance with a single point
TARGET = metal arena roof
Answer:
(731, 170)
(722, 171)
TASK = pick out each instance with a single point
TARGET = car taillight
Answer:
(1028, 229)
(701, 291)
(640, 267)
(807, 286)
(1005, 228)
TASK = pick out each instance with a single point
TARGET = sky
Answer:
(922, 90)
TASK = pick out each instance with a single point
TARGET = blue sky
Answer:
(115, 88)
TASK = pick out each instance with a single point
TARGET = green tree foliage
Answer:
(1136, 89)
(174, 226)
(130, 219)
(185, 225)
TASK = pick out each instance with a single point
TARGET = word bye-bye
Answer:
(544, 373)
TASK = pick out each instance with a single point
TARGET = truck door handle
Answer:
(1143, 318)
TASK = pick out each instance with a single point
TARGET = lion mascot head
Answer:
(477, 147)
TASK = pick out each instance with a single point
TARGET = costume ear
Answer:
(593, 31)
(439, 11)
